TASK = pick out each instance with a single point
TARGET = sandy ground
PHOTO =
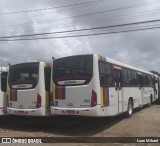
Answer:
(144, 123)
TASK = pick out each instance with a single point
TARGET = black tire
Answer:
(130, 109)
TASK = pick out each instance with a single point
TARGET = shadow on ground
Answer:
(61, 125)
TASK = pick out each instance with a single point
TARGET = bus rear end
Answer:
(26, 89)
(3, 90)
(74, 89)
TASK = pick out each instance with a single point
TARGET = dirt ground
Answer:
(144, 123)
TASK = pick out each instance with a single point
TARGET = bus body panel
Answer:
(147, 92)
(1, 98)
(133, 92)
(76, 100)
(116, 107)
(23, 99)
(3, 86)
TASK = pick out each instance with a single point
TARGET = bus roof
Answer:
(127, 66)
(29, 63)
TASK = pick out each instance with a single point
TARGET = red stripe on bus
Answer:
(59, 92)
(12, 95)
(117, 67)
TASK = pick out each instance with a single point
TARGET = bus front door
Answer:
(118, 89)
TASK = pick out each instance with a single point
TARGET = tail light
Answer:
(51, 99)
(39, 101)
(93, 99)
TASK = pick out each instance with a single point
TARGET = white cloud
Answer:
(140, 49)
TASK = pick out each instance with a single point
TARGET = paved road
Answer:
(144, 122)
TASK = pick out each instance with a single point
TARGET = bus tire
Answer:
(130, 109)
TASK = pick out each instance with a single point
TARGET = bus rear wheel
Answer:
(130, 109)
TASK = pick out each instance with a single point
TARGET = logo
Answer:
(20, 106)
(56, 103)
(70, 104)
(86, 100)
(10, 104)
(6, 140)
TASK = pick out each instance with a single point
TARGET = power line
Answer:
(85, 29)
(58, 7)
(80, 5)
(102, 19)
(82, 35)
(83, 15)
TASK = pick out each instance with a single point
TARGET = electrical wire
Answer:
(83, 35)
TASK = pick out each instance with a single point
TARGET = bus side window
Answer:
(125, 77)
(129, 77)
(47, 74)
(108, 74)
(102, 73)
(140, 80)
(4, 81)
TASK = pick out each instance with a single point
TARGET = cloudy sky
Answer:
(140, 48)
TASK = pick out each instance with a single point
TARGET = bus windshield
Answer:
(73, 70)
(23, 76)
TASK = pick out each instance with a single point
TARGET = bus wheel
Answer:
(130, 109)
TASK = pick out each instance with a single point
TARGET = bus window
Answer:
(117, 77)
(72, 71)
(102, 73)
(24, 76)
(47, 74)
(125, 77)
(140, 80)
(108, 74)
(146, 81)
(129, 77)
(134, 81)
(4, 81)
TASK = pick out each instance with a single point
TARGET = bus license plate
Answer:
(70, 112)
(21, 112)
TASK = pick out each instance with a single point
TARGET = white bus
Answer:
(29, 89)
(91, 85)
(3, 87)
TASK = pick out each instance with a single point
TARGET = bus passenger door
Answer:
(118, 88)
